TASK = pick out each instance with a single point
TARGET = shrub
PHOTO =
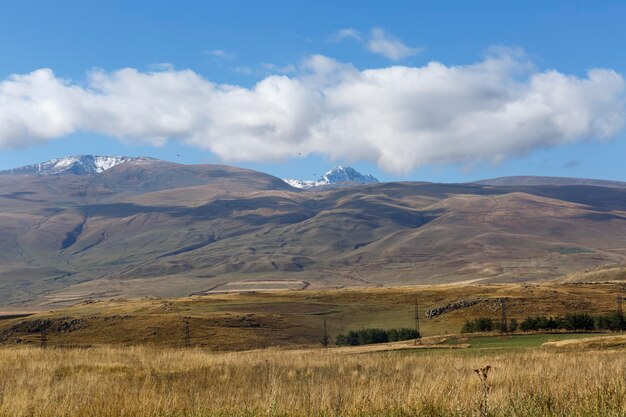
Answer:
(468, 327)
(579, 322)
(371, 335)
(481, 324)
(615, 321)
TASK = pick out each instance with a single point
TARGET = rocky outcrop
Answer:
(437, 311)
(60, 325)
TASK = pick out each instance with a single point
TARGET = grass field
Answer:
(525, 380)
(241, 321)
(258, 354)
(493, 344)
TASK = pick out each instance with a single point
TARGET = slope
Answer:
(163, 229)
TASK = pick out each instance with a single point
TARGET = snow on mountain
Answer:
(337, 176)
(78, 165)
(301, 183)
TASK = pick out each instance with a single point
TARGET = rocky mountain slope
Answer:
(149, 227)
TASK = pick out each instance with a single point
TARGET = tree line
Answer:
(572, 322)
(372, 335)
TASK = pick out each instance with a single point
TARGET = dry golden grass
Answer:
(295, 318)
(607, 342)
(146, 382)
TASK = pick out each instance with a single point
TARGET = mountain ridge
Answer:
(75, 164)
(89, 164)
(339, 176)
(168, 229)
(530, 180)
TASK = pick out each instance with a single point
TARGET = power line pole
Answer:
(187, 333)
(418, 339)
(43, 339)
(620, 312)
(504, 325)
(325, 336)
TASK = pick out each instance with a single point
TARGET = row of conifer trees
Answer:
(615, 321)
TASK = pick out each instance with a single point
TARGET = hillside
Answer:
(155, 228)
(598, 274)
(241, 321)
(534, 180)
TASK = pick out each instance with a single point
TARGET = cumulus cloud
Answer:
(400, 117)
(385, 44)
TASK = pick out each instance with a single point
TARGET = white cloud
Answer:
(399, 117)
(284, 69)
(219, 53)
(378, 42)
(346, 33)
(243, 70)
(392, 48)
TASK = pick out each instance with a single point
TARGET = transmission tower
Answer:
(418, 339)
(187, 333)
(43, 339)
(504, 321)
(325, 336)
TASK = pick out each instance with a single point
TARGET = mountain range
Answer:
(82, 228)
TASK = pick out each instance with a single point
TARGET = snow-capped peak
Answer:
(338, 176)
(79, 165)
(347, 174)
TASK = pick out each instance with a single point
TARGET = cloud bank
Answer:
(399, 117)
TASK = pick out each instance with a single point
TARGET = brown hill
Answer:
(157, 228)
(239, 321)
(604, 273)
(534, 180)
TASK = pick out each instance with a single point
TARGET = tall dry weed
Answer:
(144, 382)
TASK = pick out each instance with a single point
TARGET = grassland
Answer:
(147, 382)
(241, 321)
(258, 354)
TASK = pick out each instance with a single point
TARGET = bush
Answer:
(613, 321)
(578, 322)
(371, 335)
(468, 327)
(481, 324)
(573, 322)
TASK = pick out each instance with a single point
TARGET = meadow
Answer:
(253, 320)
(259, 354)
(524, 380)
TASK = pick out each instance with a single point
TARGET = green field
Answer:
(517, 341)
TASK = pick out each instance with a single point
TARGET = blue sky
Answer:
(260, 39)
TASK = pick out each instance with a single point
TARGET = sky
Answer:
(428, 91)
